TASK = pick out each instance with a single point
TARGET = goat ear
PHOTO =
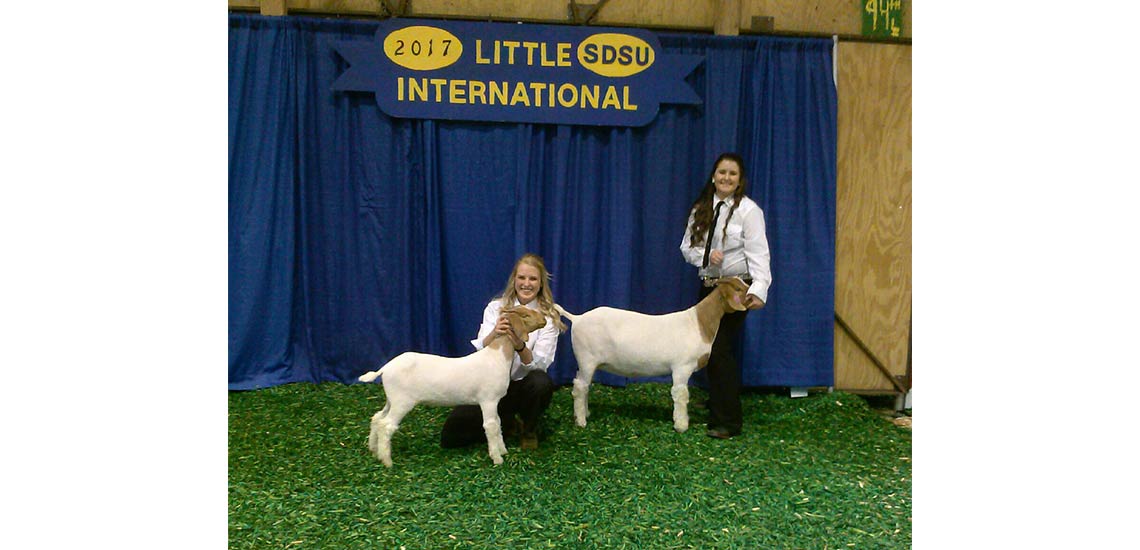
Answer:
(733, 293)
(517, 324)
(735, 282)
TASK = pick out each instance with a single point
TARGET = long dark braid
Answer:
(702, 208)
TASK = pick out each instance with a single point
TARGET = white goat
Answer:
(480, 378)
(634, 344)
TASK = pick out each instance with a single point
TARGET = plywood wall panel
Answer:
(344, 7)
(520, 10)
(809, 16)
(873, 211)
(674, 14)
(842, 17)
(826, 17)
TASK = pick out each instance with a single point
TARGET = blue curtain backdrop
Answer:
(354, 236)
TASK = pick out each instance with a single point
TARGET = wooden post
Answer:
(274, 7)
(727, 18)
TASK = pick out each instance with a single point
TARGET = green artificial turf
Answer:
(823, 471)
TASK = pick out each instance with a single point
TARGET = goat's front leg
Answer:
(581, 392)
(494, 430)
(680, 391)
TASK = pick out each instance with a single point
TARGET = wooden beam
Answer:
(245, 5)
(784, 17)
(727, 18)
(396, 9)
(583, 13)
(274, 7)
(762, 23)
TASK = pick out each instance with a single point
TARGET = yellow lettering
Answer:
(520, 95)
(499, 93)
(545, 62)
(417, 89)
(457, 88)
(537, 87)
(513, 45)
(479, 59)
(611, 98)
(563, 100)
(590, 96)
(530, 46)
(477, 89)
(625, 99)
(563, 54)
(438, 83)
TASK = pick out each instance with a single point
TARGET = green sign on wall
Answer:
(882, 18)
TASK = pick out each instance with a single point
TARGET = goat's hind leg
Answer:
(680, 393)
(374, 431)
(581, 392)
(388, 425)
(496, 447)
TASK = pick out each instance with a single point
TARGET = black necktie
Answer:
(708, 242)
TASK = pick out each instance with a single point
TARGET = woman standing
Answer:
(725, 237)
(530, 389)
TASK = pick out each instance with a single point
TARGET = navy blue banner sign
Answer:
(465, 70)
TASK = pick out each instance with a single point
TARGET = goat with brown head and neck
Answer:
(480, 378)
(632, 344)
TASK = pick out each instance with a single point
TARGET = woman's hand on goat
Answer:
(504, 327)
(752, 302)
(716, 257)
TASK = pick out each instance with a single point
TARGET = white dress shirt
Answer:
(543, 343)
(745, 247)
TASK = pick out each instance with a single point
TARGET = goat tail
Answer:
(370, 376)
(573, 318)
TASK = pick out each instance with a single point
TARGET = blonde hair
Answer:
(545, 297)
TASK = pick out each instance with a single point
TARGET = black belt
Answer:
(711, 281)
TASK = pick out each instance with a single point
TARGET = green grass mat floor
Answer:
(823, 471)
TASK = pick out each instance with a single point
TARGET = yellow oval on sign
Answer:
(615, 54)
(422, 48)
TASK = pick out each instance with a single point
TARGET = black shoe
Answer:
(529, 437)
(511, 427)
(721, 433)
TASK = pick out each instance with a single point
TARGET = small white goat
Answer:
(480, 378)
(634, 344)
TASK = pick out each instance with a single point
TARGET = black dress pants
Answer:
(724, 373)
(527, 398)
